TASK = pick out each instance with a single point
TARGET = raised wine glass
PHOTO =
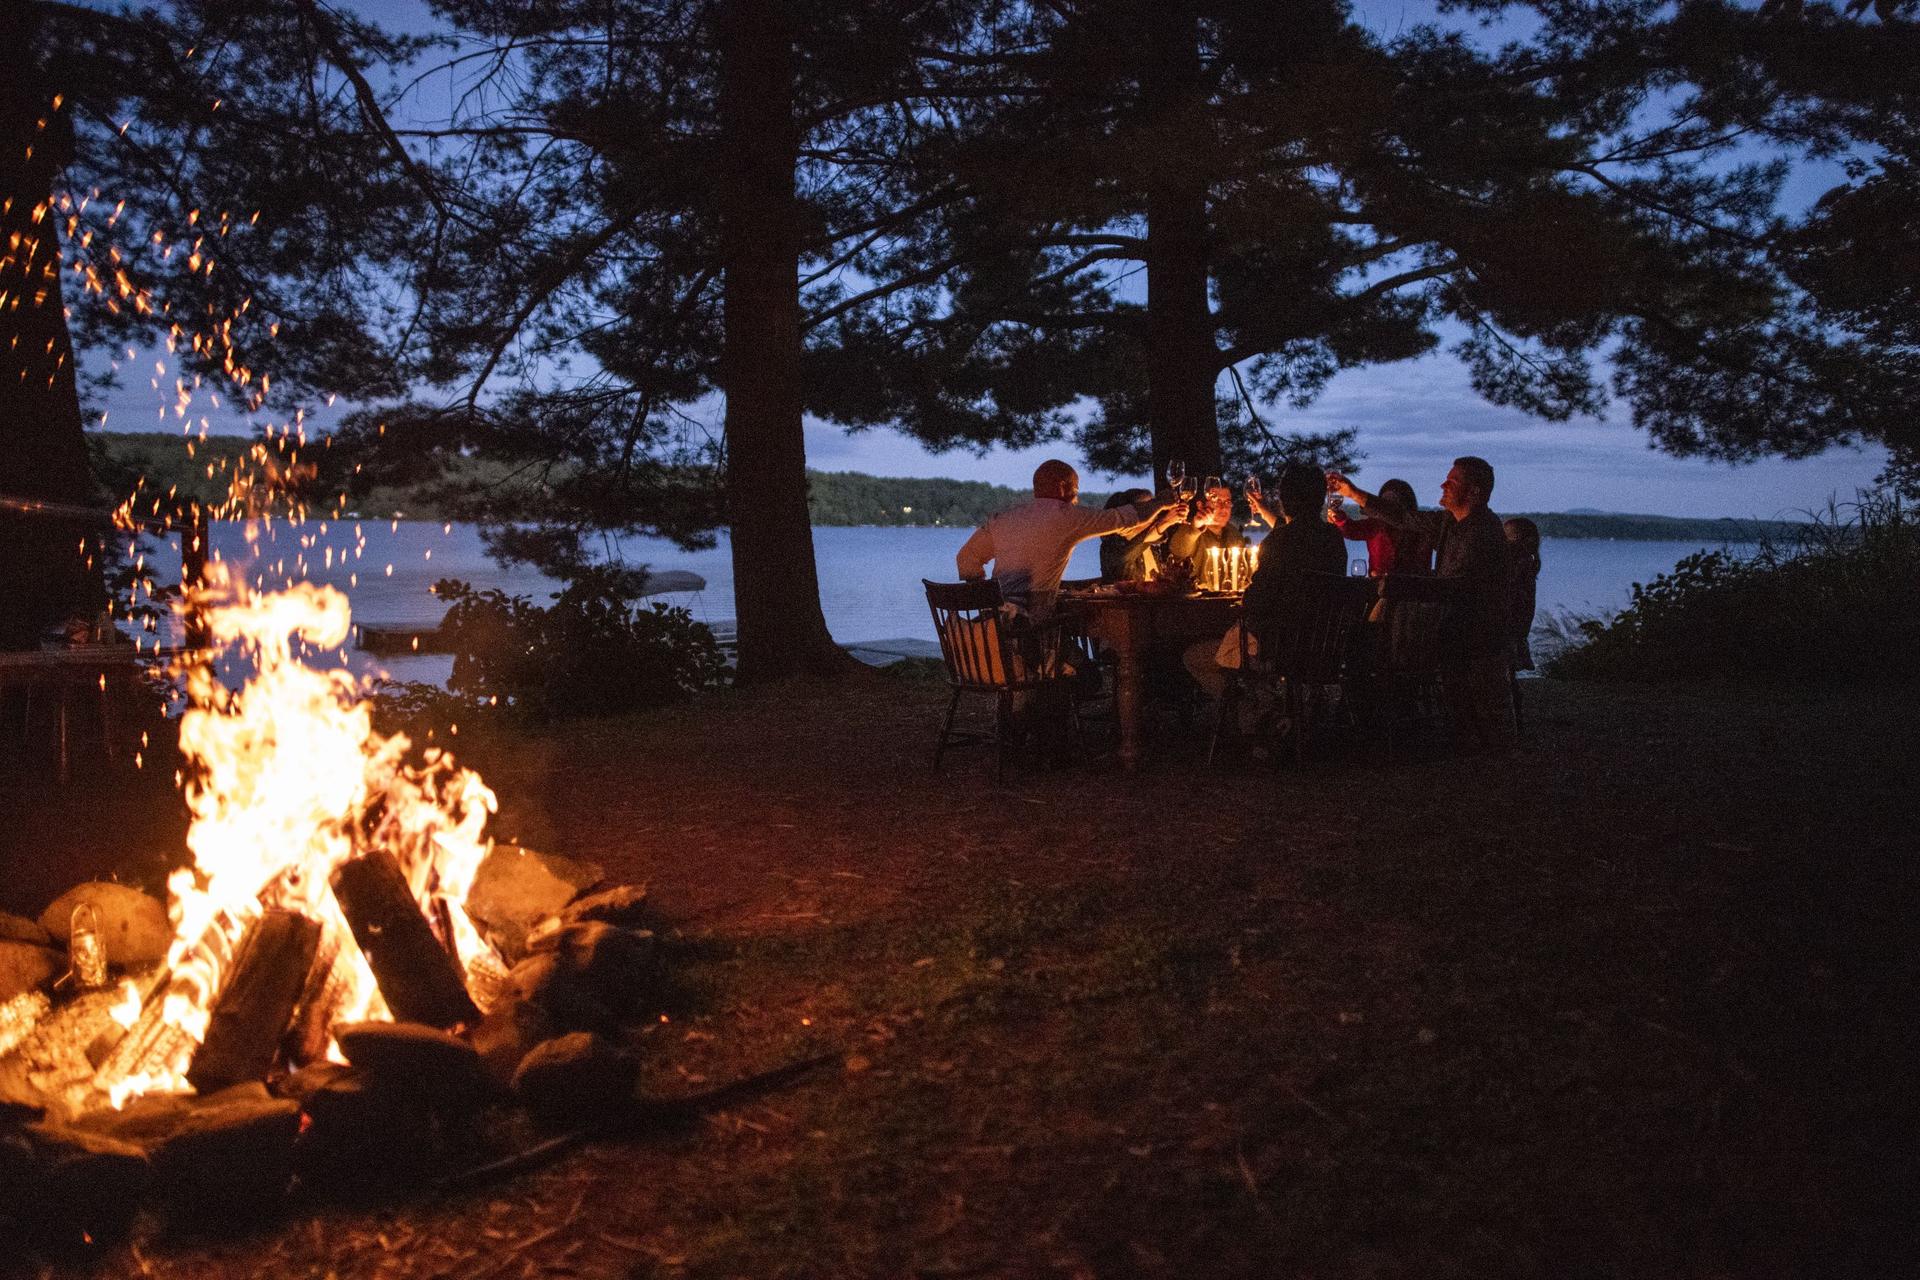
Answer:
(1176, 474)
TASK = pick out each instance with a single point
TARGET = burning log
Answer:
(329, 982)
(256, 1001)
(154, 1045)
(421, 982)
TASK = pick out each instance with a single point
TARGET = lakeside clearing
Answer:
(1638, 1003)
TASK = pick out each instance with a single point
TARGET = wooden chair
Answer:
(1411, 623)
(1300, 648)
(985, 657)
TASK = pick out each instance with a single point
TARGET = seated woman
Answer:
(1300, 542)
(1134, 555)
(1391, 548)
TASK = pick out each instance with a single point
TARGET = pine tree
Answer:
(203, 180)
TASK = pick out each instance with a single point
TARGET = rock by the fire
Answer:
(24, 966)
(414, 1058)
(516, 888)
(235, 1152)
(133, 926)
(310, 1079)
(616, 966)
(509, 1033)
(574, 1078)
(20, 929)
(360, 1136)
(624, 905)
(543, 980)
(60, 1183)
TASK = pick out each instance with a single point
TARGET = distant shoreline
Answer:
(843, 499)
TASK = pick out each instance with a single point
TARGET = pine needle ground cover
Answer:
(1637, 1004)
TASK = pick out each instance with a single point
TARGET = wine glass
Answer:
(1357, 567)
(1176, 474)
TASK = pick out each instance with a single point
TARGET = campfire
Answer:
(346, 959)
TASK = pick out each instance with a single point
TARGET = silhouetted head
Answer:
(1055, 479)
(1468, 486)
(1129, 498)
(1524, 534)
(1400, 493)
(1302, 490)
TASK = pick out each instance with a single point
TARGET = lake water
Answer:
(869, 577)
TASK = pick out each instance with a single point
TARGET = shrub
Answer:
(1840, 601)
(595, 649)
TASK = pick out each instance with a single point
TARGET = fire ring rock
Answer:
(408, 1057)
(230, 1155)
(624, 905)
(543, 980)
(574, 1079)
(20, 929)
(362, 1137)
(24, 966)
(63, 1185)
(515, 888)
(133, 927)
(615, 966)
(509, 1032)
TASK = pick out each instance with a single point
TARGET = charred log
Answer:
(257, 1001)
(421, 982)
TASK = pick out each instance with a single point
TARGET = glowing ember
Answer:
(288, 779)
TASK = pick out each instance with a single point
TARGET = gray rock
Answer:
(308, 1080)
(543, 980)
(230, 1154)
(516, 888)
(65, 1185)
(361, 1137)
(624, 905)
(509, 1032)
(20, 929)
(573, 1080)
(133, 926)
(24, 966)
(407, 1056)
(615, 966)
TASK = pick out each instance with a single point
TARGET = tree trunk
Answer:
(776, 588)
(1182, 359)
(46, 576)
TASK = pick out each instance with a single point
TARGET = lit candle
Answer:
(1233, 568)
(1213, 569)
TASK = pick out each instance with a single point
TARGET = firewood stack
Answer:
(546, 1041)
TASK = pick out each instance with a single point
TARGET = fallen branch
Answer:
(646, 1114)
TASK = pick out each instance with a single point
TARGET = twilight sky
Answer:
(1412, 418)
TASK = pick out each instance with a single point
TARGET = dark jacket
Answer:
(1472, 551)
(1306, 545)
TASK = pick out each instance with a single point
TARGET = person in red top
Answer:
(1390, 548)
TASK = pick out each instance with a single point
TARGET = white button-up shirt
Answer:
(1030, 545)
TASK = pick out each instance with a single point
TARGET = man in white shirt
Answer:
(1029, 545)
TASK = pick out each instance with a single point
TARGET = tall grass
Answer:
(1838, 600)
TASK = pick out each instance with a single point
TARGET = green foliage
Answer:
(594, 650)
(1840, 602)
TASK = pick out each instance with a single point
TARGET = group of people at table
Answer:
(1145, 535)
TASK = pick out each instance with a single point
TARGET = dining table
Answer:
(1128, 623)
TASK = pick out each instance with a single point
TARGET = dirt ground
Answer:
(1637, 1002)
